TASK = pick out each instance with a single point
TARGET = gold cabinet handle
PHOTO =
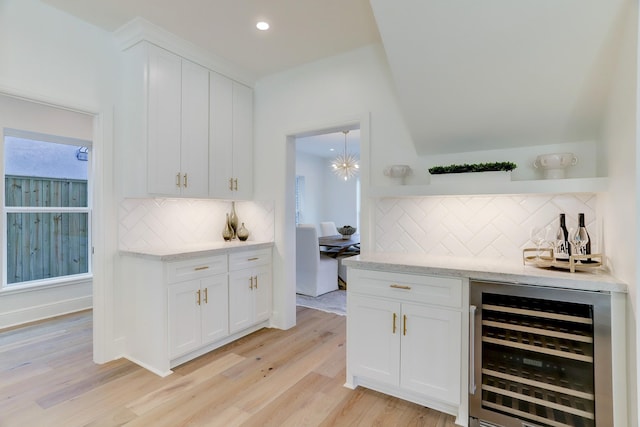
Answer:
(198, 293)
(231, 184)
(405, 287)
(236, 184)
(251, 282)
(395, 316)
(253, 259)
(255, 279)
(204, 267)
(178, 179)
(404, 324)
(206, 295)
(185, 180)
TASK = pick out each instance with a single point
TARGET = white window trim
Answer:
(30, 285)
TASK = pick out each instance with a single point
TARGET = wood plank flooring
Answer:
(270, 378)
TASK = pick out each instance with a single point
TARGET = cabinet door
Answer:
(431, 348)
(164, 116)
(242, 141)
(215, 308)
(184, 317)
(373, 332)
(220, 135)
(241, 304)
(194, 143)
(262, 293)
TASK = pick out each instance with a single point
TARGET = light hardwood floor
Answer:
(270, 378)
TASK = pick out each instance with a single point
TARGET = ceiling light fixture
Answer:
(262, 26)
(346, 164)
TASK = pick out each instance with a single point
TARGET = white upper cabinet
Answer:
(163, 121)
(165, 124)
(194, 147)
(231, 139)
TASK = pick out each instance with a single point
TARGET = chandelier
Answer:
(346, 164)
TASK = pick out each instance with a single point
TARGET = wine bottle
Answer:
(562, 249)
(585, 248)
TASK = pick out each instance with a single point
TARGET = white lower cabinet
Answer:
(178, 310)
(198, 313)
(405, 337)
(249, 289)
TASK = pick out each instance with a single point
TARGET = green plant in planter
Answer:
(476, 167)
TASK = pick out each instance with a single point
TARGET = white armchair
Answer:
(328, 228)
(316, 274)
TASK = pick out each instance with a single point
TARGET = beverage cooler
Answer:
(539, 357)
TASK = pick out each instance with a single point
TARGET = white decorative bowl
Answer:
(397, 171)
(554, 164)
(346, 232)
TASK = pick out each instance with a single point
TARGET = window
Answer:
(46, 207)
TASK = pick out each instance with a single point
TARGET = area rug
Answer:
(331, 302)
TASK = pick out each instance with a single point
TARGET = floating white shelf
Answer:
(480, 186)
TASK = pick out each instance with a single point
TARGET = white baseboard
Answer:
(44, 311)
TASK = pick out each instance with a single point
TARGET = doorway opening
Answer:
(328, 202)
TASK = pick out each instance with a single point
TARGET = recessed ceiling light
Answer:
(262, 25)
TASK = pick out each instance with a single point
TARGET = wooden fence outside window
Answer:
(48, 244)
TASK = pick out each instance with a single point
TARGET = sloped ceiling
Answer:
(489, 74)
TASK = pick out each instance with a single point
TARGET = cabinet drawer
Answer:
(248, 259)
(180, 271)
(435, 290)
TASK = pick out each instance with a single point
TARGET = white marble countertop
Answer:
(196, 250)
(487, 269)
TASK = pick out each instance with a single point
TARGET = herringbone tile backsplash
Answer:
(481, 226)
(161, 223)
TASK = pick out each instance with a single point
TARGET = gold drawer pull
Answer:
(201, 268)
(253, 259)
(394, 286)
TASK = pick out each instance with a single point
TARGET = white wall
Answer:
(327, 197)
(354, 87)
(52, 57)
(340, 198)
(310, 167)
(621, 232)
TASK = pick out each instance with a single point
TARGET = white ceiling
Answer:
(469, 74)
(501, 73)
(329, 145)
(301, 30)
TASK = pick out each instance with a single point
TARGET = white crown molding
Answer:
(139, 29)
